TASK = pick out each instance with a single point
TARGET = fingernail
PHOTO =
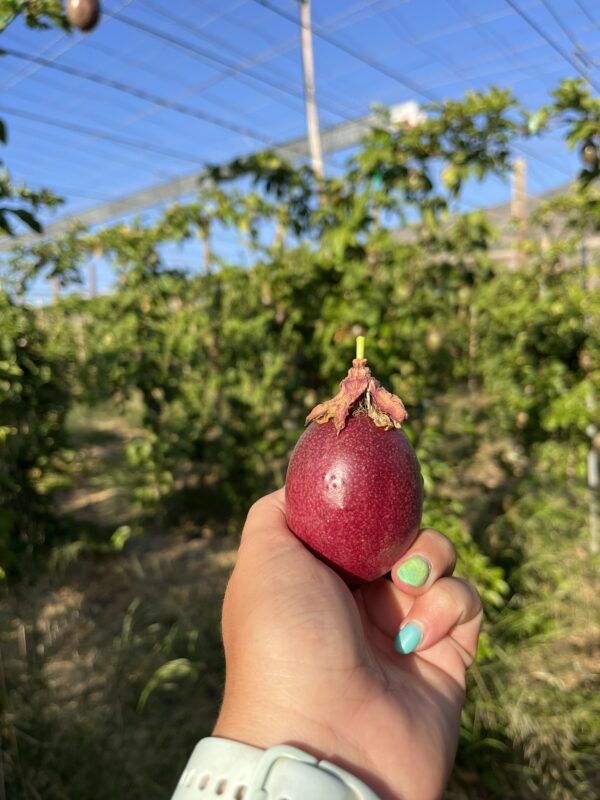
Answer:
(414, 572)
(408, 638)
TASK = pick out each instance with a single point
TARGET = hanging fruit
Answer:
(589, 153)
(83, 14)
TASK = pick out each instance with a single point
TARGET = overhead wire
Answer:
(338, 21)
(130, 59)
(551, 43)
(75, 99)
(25, 71)
(431, 35)
(265, 55)
(491, 36)
(370, 3)
(535, 156)
(209, 118)
(102, 135)
(586, 13)
(98, 167)
(460, 26)
(223, 11)
(537, 65)
(78, 100)
(69, 45)
(141, 94)
(297, 23)
(365, 58)
(579, 51)
(357, 8)
(210, 58)
(98, 134)
(449, 63)
(217, 16)
(73, 192)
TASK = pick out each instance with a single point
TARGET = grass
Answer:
(83, 641)
(111, 665)
(80, 648)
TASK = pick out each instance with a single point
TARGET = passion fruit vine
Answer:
(354, 491)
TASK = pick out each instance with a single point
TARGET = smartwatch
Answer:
(222, 769)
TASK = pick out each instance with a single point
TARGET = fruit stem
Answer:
(360, 346)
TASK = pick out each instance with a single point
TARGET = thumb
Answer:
(266, 531)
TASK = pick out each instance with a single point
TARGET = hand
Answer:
(314, 664)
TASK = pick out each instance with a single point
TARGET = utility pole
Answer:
(206, 251)
(593, 478)
(312, 116)
(55, 289)
(591, 284)
(92, 282)
(518, 209)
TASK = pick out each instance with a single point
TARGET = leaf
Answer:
(3, 132)
(4, 223)
(121, 536)
(28, 219)
(166, 677)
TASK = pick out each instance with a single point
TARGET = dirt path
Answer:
(79, 645)
(100, 492)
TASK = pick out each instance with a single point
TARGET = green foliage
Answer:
(11, 198)
(500, 371)
(58, 258)
(167, 678)
(576, 107)
(41, 14)
(33, 403)
(533, 699)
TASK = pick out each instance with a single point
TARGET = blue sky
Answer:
(245, 71)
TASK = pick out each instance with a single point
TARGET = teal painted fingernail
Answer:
(408, 638)
(414, 572)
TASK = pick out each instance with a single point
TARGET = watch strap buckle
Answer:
(257, 788)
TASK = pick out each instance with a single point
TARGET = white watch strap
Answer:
(228, 770)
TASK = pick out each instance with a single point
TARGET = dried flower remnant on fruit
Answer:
(360, 394)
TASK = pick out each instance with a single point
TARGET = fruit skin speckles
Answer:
(355, 498)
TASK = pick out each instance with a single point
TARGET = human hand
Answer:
(313, 663)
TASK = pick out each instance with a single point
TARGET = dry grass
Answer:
(79, 644)
(77, 651)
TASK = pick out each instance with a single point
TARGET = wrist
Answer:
(268, 726)
(271, 726)
(230, 770)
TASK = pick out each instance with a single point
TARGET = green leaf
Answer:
(4, 223)
(166, 677)
(28, 218)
